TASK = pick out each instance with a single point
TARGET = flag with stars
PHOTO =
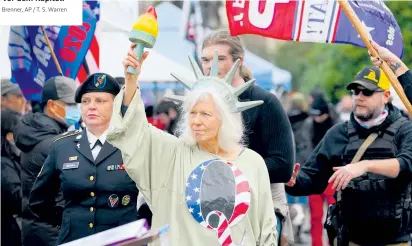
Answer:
(217, 203)
(315, 21)
(30, 56)
(193, 21)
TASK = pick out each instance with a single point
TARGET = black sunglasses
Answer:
(365, 92)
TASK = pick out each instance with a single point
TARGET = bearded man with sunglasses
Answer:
(375, 205)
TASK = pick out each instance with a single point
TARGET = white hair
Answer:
(230, 134)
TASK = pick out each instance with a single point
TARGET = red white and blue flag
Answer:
(76, 49)
(321, 21)
(218, 197)
(91, 62)
(193, 27)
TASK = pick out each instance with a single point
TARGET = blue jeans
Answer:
(297, 199)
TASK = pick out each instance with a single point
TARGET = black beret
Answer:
(120, 80)
(98, 82)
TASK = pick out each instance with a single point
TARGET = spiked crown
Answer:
(223, 86)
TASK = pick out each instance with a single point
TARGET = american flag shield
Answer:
(218, 197)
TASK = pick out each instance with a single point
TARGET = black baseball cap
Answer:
(59, 88)
(98, 82)
(319, 107)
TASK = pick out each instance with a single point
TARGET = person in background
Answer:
(28, 108)
(154, 119)
(10, 181)
(318, 92)
(36, 106)
(268, 131)
(318, 125)
(344, 108)
(149, 110)
(168, 114)
(77, 126)
(298, 115)
(12, 97)
(320, 121)
(34, 135)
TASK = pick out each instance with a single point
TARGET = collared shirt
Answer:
(93, 139)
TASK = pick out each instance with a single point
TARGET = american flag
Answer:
(238, 203)
(193, 27)
(91, 62)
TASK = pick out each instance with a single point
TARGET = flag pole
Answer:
(59, 69)
(350, 13)
(185, 17)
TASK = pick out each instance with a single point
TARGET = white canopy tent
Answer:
(156, 68)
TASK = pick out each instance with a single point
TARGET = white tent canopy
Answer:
(156, 68)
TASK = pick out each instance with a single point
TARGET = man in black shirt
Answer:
(34, 135)
(375, 192)
(12, 97)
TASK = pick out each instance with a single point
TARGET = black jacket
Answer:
(269, 133)
(98, 194)
(34, 136)
(302, 135)
(406, 82)
(314, 175)
(10, 195)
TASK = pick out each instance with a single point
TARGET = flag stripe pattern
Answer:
(193, 196)
(314, 21)
(92, 57)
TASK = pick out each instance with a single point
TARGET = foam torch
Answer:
(144, 33)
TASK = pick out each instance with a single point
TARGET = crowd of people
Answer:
(227, 163)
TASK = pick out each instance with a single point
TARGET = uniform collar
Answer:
(92, 138)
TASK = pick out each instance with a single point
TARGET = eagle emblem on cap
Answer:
(99, 80)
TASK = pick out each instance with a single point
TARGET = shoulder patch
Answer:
(67, 134)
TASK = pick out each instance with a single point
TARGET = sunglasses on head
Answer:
(365, 92)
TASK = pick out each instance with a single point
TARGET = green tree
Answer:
(332, 66)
